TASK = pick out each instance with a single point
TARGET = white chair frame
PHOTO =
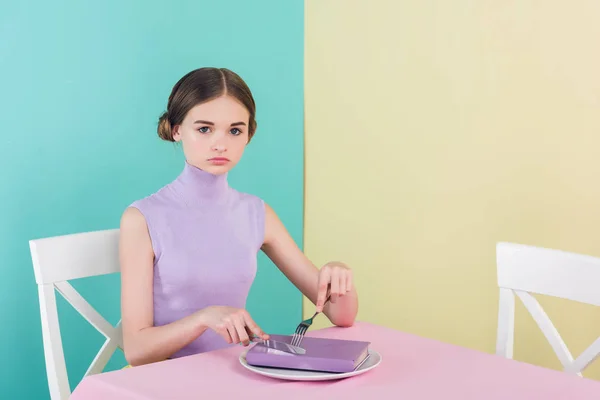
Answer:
(523, 270)
(56, 260)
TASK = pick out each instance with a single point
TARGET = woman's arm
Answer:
(312, 282)
(143, 342)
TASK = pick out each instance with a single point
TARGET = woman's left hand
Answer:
(335, 278)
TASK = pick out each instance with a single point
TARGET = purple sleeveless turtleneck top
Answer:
(205, 236)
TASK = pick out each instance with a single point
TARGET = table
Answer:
(412, 367)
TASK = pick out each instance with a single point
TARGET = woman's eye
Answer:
(203, 129)
(235, 131)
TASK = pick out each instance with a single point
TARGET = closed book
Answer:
(322, 354)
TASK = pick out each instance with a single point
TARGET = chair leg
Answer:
(506, 324)
(56, 370)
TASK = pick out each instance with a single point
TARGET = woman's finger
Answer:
(324, 279)
(335, 285)
(253, 328)
(240, 326)
(233, 332)
(222, 330)
(348, 281)
(343, 284)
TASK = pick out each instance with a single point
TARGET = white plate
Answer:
(371, 362)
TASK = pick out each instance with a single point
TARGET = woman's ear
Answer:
(176, 133)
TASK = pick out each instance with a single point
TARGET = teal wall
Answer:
(81, 87)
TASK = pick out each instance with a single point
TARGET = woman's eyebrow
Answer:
(201, 121)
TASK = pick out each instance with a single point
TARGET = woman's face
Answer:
(214, 134)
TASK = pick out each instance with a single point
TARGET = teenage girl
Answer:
(189, 251)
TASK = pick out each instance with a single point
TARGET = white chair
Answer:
(526, 269)
(55, 261)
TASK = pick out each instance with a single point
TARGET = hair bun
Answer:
(165, 131)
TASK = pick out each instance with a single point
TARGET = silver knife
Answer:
(278, 345)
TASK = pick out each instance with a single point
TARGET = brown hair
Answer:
(199, 86)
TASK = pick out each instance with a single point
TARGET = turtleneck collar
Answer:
(196, 185)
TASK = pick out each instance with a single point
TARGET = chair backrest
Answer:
(55, 261)
(523, 270)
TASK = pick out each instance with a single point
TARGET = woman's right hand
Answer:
(234, 324)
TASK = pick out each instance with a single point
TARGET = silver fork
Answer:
(298, 336)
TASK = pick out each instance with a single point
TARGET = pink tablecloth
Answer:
(412, 368)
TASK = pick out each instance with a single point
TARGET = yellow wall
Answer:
(435, 129)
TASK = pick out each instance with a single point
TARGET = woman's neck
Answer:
(199, 186)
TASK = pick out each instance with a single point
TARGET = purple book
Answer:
(322, 354)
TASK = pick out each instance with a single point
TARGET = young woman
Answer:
(188, 252)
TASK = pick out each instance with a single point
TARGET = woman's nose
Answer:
(219, 144)
(219, 147)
